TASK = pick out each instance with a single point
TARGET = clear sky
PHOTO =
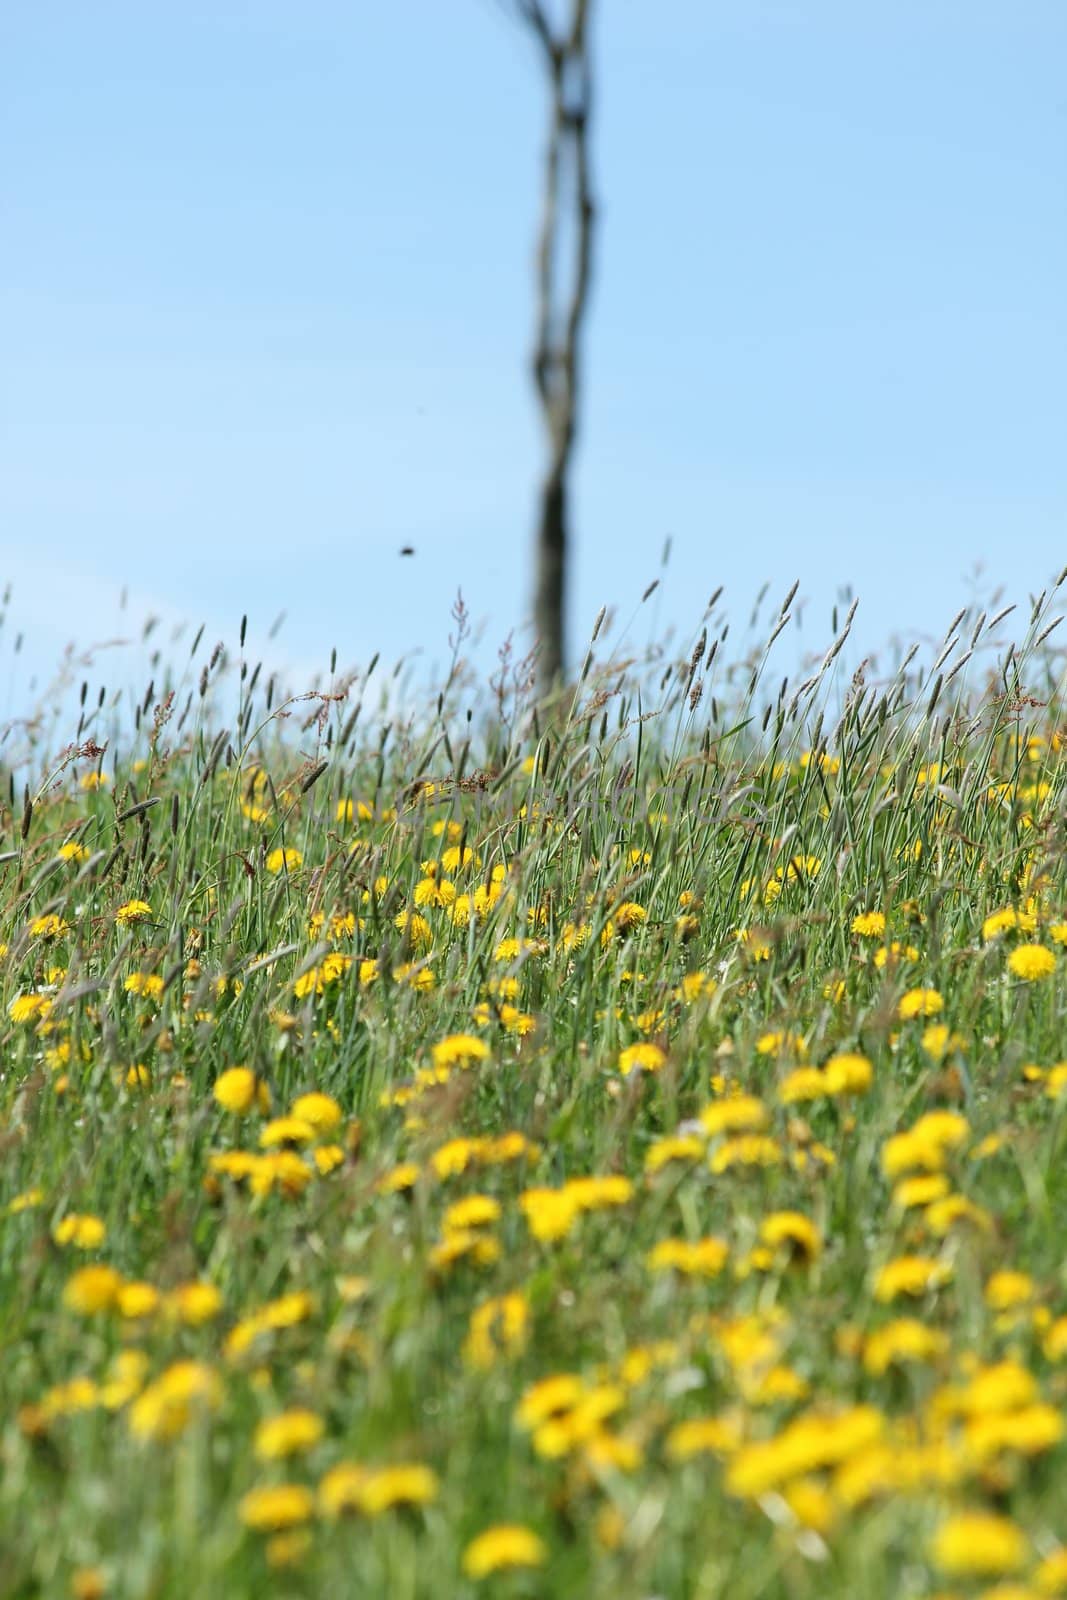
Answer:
(265, 307)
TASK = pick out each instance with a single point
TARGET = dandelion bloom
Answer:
(84, 1231)
(92, 1289)
(550, 1213)
(284, 860)
(238, 1089)
(599, 1191)
(911, 1275)
(498, 1327)
(903, 1340)
(287, 1434)
(407, 1484)
(793, 1231)
(813, 1440)
(746, 1150)
(869, 924)
(194, 1303)
(548, 1398)
(286, 1130)
(999, 921)
(848, 1073)
(473, 1211)
(341, 1489)
(149, 985)
(673, 1147)
(167, 1406)
(643, 1057)
(704, 1258)
(137, 1300)
(1006, 1290)
(742, 1113)
(1031, 962)
(280, 1505)
(979, 1544)
(132, 911)
(803, 1083)
(504, 1546)
(919, 1003)
(459, 1050)
(415, 929)
(321, 1111)
(25, 1007)
(703, 1435)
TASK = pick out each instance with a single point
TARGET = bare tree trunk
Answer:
(564, 269)
(550, 580)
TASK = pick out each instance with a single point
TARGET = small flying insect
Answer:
(407, 549)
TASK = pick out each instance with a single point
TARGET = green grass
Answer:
(681, 866)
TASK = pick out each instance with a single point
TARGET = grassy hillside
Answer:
(614, 1151)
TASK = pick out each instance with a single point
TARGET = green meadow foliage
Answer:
(606, 1149)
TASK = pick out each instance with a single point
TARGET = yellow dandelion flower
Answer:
(404, 1176)
(503, 1547)
(550, 1213)
(1050, 1576)
(238, 1090)
(920, 1191)
(550, 1397)
(459, 1050)
(28, 1007)
(407, 1484)
(699, 1258)
(904, 1340)
(642, 1057)
(132, 911)
(415, 929)
(473, 1211)
(919, 1003)
(676, 1147)
(803, 1083)
(83, 1231)
(149, 985)
(91, 1290)
(698, 1436)
(289, 1433)
(137, 1300)
(979, 1544)
(1009, 918)
(892, 954)
(599, 1191)
(194, 1303)
(284, 860)
(498, 1328)
(793, 1231)
(910, 1275)
(848, 1073)
(1007, 1289)
(321, 1111)
(742, 1113)
(275, 1506)
(1031, 963)
(168, 1405)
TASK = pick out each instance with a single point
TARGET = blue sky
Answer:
(265, 311)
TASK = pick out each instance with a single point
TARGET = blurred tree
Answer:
(563, 275)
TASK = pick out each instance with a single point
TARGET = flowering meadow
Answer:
(610, 1148)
